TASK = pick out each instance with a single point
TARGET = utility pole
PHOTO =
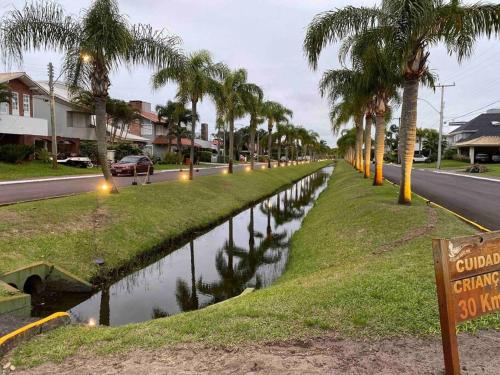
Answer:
(52, 116)
(441, 113)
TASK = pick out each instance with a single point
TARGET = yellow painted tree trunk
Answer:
(368, 145)
(379, 148)
(409, 126)
(359, 143)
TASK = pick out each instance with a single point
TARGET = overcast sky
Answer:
(265, 37)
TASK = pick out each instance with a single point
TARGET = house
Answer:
(25, 119)
(479, 135)
(150, 127)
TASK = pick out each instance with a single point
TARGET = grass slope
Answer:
(333, 281)
(62, 231)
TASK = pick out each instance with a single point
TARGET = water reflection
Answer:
(248, 250)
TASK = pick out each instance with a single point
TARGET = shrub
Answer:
(262, 159)
(126, 149)
(15, 153)
(391, 156)
(171, 158)
(205, 156)
(459, 157)
(89, 149)
(449, 153)
(477, 168)
(43, 155)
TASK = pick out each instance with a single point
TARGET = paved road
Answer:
(475, 199)
(47, 189)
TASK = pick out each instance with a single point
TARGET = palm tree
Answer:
(280, 134)
(231, 90)
(195, 78)
(94, 45)
(253, 105)
(274, 112)
(409, 29)
(121, 114)
(175, 114)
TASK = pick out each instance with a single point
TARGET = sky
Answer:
(265, 37)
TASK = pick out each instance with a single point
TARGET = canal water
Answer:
(248, 250)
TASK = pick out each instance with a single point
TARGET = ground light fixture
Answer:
(104, 187)
(184, 177)
(248, 169)
(224, 171)
(92, 322)
(263, 167)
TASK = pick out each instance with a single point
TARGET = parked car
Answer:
(419, 158)
(482, 158)
(128, 164)
(75, 161)
(495, 158)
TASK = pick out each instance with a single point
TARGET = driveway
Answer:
(25, 191)
(476, 199)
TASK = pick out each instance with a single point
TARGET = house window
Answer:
(147, 129)
(26, 105)
(15, 103)
(4, 108)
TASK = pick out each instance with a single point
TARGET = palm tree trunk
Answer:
(379, 148)
(193, 129)
(102, 147)
(269, 142)
(279, 152)
(252, 146)
(368, 145)
(359, 143)
(409, 126)
(231, 144)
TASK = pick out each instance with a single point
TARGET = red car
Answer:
(127, 165)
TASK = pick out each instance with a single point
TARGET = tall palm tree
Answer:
(177, 117)
(253, 104)
(94, 45)
(231, 90)
(195, 78)
(280, 134)
(274, 112)
(409, 28)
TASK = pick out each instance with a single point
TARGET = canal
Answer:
(249, 250)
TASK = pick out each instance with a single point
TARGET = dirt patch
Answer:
(328, 355)
(432, 219)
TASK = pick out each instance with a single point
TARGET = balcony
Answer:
(23, 125)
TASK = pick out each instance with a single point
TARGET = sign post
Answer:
(468, 285)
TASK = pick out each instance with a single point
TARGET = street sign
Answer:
(468, 285)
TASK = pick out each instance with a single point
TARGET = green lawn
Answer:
(62, 231)
(493, 169)
(337, 279)
(37, 169)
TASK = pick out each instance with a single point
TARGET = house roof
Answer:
(126, 137)
(23, 77)
(481, 141)
(151, 116)
(163, 140)
(484, 125)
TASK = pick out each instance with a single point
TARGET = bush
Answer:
(15, 153)
(43, 155)
(205, 156)
(89, 149)
(459, 157)
(262, 159)
(391, 156)
(171, 158)
(449, 154)
(126, 149)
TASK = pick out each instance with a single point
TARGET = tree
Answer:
(175, 114)
(431, 141)
(94, 45)
(409, 28)
(231, 91)
(274, 112)
(253, 104)
(120, 115)
(195, 78)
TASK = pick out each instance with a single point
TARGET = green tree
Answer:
(409, 28)
(274, 112)
(94, 45)
(195, 78)
(176, 116)
(254, 105)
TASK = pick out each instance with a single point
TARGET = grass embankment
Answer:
(37, 169)
(333, 282)
(460, 166)
(62, 231)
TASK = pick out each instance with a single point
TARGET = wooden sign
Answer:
(468, 285)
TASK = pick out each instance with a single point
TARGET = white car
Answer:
(77, 161)
(420, 158)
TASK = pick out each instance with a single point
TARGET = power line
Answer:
(478, 109)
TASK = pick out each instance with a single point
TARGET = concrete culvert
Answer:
(34, 285)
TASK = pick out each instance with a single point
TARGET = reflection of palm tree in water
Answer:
(232, 281)
(188, 299)
(104, 308)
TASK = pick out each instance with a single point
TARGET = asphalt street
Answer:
(18, 192)
(476, 199)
